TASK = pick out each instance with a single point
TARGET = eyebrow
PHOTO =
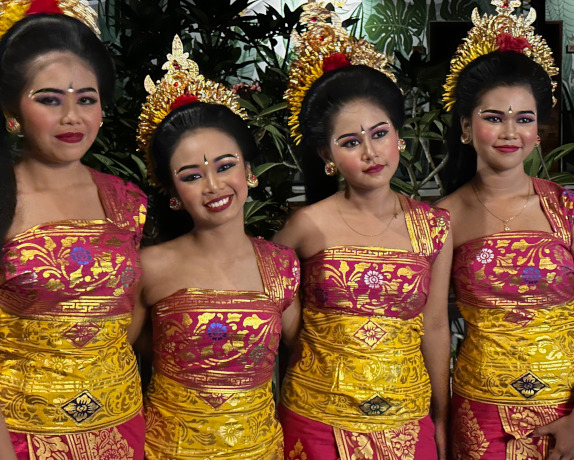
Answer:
(63, 92)
(215, 160)
(370, 129)
(502, 112)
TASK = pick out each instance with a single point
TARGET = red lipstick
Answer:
(507, 148)
(70, 138)
(219, 204)
(374, 169)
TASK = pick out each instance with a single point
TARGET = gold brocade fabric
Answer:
(181, 423)
(515, 291)
(214, 355)
(358, 364)
(66, 297)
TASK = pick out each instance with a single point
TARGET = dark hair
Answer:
(493, 70)
(323, 102)
(165, 140)
(34, 36)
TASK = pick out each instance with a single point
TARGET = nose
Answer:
(212, 182)
(368, 150)
(70, 112)
(509, 131)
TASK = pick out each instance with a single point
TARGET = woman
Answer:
(359, 385)
(69, 383)
(513, 266)
(220, 301)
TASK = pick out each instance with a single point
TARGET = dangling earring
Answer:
(13, 126)
(101, 124)
(465, 138)
(537, 143)
(252, 180)
(402, 145)
(175, 204)
(330, 168)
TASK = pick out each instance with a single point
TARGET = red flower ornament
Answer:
(44, 6)
(183, 100)
(335, 61)
(507, 42)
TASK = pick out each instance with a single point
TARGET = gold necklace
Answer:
(395, 214)
(504, 221)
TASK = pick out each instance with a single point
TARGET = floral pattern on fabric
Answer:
(65, 362)
(510, 287)
(214, 359)
(362, 329)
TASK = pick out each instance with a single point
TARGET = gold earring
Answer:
(330, 168)
(101, 124)
(13, 126)
(402, 145)
(252, 180)
(465, 138)
(175, 204)
(537, 143)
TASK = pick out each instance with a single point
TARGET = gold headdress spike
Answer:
(182, 84)
(324, 46)
(11, 11)
(503, 31)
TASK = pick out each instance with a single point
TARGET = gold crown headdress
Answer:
(504, 32)
(11, 11)
(324, 46)
(182, 84)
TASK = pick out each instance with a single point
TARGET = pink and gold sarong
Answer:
(358, 381)
(211, 394)
(515, 370)
(69, 381)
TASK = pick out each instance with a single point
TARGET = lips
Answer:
(70, 138)
(219, 204)
(374, 169)
(507, 148)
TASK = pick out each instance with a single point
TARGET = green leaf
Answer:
(261, 169)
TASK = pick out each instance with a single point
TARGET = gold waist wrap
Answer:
(517, 356)
(359, 373)
(67, 376)
(183, 423)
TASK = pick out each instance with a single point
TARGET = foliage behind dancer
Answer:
(220, 301)
(513, 266)
(376, 266)
(69, 383)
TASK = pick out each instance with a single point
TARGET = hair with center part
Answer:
(325, 99)
(487, 72)
(179, 123)
(30, 38)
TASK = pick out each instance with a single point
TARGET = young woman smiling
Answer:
(69, 381)
(220, 301)
(513, 268)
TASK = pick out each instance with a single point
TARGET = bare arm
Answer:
(436, 344)
(291, 323)
(6, 449)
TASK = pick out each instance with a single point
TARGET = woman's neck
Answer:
(375, 201)
(223, 241)
(37, 176)
(501, 184)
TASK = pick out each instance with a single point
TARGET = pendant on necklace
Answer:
(506, 228)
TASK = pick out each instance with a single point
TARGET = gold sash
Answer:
(183, 423)
(67, 376)
(359, 373)
(522, 357)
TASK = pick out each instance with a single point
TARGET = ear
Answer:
(466, 125)
(325, 154)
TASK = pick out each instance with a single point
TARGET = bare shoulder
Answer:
(456, 202)
(156, 260)
(303, 224)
